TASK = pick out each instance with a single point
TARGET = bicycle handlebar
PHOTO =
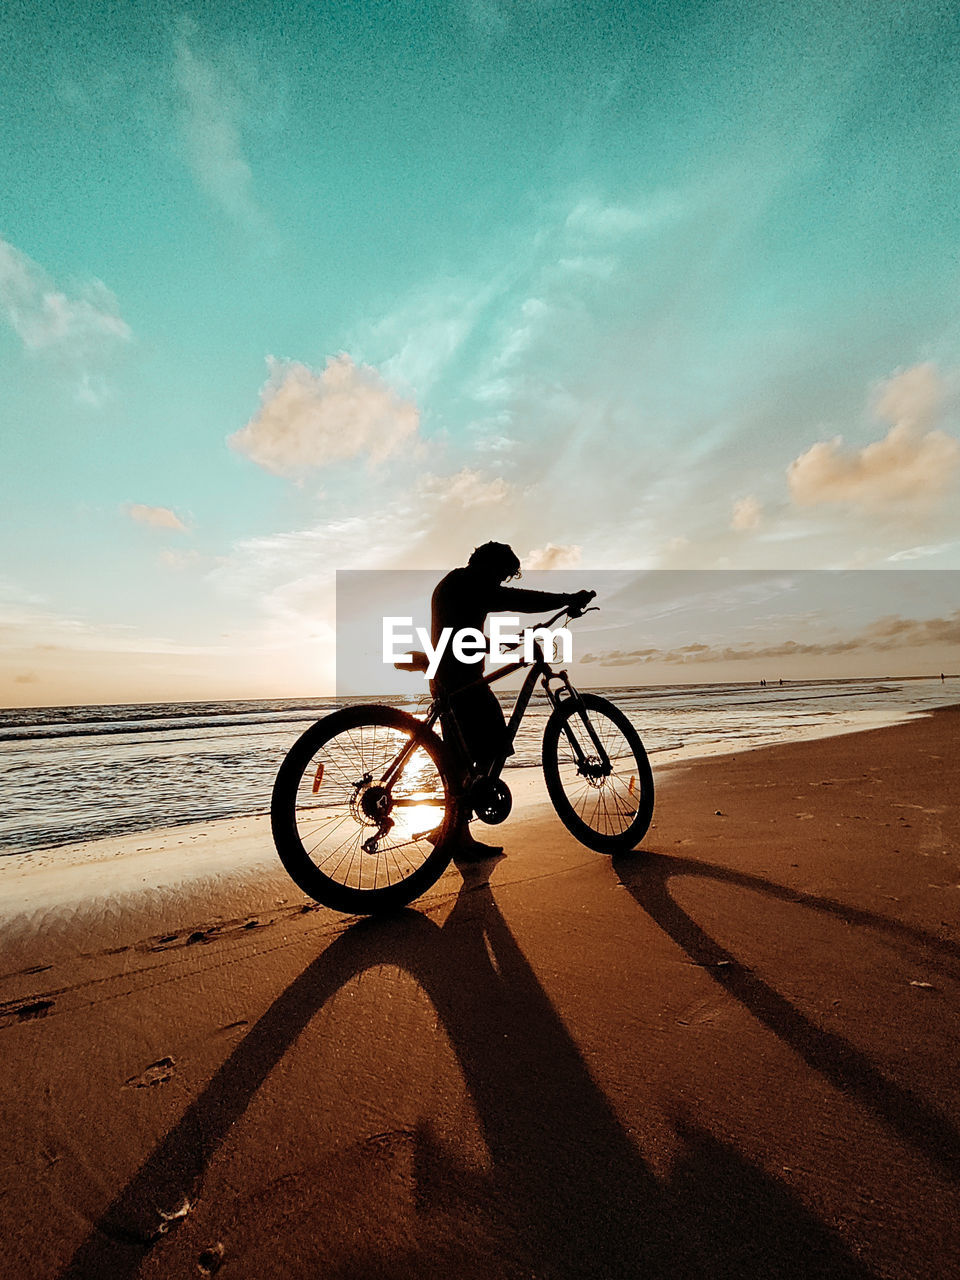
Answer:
(568, 610)
(571, 611)
(578, 613)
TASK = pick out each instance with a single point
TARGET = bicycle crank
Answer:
(491, 800)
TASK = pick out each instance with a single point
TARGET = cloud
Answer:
(490, 16)
(82, 327)
(50, 659)
(186, 559)
(894, 630)
(419, 340)
(209, 126)
(308, 419)
(288, 579)
(552, 557)
(913, 463)
(886, 634)
(155, 517)
(466, 489)
(747, 514)
(25, 626)
(912, 398)
(594, 218)
(922, 553)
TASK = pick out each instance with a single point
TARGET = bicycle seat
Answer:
(419, 662)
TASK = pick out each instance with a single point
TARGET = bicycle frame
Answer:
(370, 805)
(540, 670)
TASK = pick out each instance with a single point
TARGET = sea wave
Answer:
(78, 773)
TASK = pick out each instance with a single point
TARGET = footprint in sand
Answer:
(211, 1260)
(231, 1030)
(35, 1009)
(158, 1072)
(171, 940)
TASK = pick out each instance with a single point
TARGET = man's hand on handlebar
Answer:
(577, 602)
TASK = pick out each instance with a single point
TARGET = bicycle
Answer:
(366, 801)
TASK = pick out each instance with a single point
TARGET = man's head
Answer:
(496, 561)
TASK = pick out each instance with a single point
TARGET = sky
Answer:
(292, 289)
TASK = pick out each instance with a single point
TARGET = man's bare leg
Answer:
(466, 848)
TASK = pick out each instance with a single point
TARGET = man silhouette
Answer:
(463, 599)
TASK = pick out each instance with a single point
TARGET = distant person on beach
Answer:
(463, 599)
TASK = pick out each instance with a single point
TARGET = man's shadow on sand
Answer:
(647, 876)
(568, 1194)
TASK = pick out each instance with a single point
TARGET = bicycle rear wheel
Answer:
(607, 806)
(345, 839)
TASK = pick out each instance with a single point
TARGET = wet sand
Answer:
(731, 1053)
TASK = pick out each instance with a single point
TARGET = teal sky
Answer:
(606, 281)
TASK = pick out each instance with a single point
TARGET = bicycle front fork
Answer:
(560, 698)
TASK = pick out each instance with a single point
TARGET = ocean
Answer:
(79, 773)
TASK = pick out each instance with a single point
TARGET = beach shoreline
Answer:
(239, 847)
(132, 770)
(730, 1053)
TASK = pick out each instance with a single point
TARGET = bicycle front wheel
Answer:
(350, 833)
(605, 798)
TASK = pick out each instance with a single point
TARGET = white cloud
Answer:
(590, 265)
(747, 514)
(416, 342)
(594, 218)
(81, 327)
(155, 517)
(913, 463)
(308, 419)
(922, 553)
(210, 129)
(552, 557)
(533, 314)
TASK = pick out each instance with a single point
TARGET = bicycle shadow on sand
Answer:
(566, 1192)
(647, 875)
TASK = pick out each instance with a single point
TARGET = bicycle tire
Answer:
(606, 814)
(326, 758)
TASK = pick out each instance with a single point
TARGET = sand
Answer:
(731, 1053)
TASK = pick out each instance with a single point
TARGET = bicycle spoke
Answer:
(343, 818)
(599, 772)
(333, 824)
(344, 843)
